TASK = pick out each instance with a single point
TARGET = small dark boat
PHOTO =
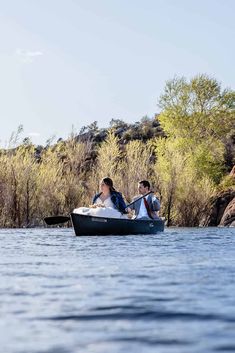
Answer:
(90, 225)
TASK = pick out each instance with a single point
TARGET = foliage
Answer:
(187, 162)
(200, 115)
(185, 191)
(228, 182)
(197, 109)
(108, 163)
(137, 164)
(197, 116)
(17, 186)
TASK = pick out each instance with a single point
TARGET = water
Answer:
(172, 292)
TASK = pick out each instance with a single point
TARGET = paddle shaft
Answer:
(139, 198)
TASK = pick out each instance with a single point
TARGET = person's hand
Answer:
(97, 205)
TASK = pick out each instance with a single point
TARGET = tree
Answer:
(199, 114)
(117, 123)
(197, 109)
(184, 193)
(197, 117)
(92, 128)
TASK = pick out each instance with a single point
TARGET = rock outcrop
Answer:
(222, 210)
(232, 173)
(222, 206)
(228, 218)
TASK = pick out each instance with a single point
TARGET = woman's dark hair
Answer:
(145, 183)
(109, 183)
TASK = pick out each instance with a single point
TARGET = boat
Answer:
(90, 225)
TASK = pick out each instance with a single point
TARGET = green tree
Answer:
(199, 114)
(183, 192)
(197, 109)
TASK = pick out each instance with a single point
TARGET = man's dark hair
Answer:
(145, 183)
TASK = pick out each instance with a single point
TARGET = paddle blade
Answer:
(56, 220)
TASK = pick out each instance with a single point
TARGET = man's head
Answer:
(143, 187)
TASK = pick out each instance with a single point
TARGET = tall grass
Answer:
(65, 176)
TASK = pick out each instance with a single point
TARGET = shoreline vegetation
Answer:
(187, 151)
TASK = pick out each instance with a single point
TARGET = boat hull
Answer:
(90, 225)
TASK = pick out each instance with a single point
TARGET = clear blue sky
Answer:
(70, 62)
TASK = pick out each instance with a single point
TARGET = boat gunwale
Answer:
(119, 219)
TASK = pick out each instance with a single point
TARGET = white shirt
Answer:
(107, 202)
(142, 212)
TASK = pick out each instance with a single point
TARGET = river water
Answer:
(172, 292)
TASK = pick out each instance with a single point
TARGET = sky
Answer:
(67, 63)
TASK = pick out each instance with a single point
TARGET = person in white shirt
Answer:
(107, 203)
(147, 207)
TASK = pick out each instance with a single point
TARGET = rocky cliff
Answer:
(222, 207)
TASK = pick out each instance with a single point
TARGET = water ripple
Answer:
(172, 292)
(144, 315)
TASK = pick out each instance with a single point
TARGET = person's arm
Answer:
(156, 204)
(131, 207)
(122, 204)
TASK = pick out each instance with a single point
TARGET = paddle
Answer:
(56, 220)
(53, 220)
(139, 198)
